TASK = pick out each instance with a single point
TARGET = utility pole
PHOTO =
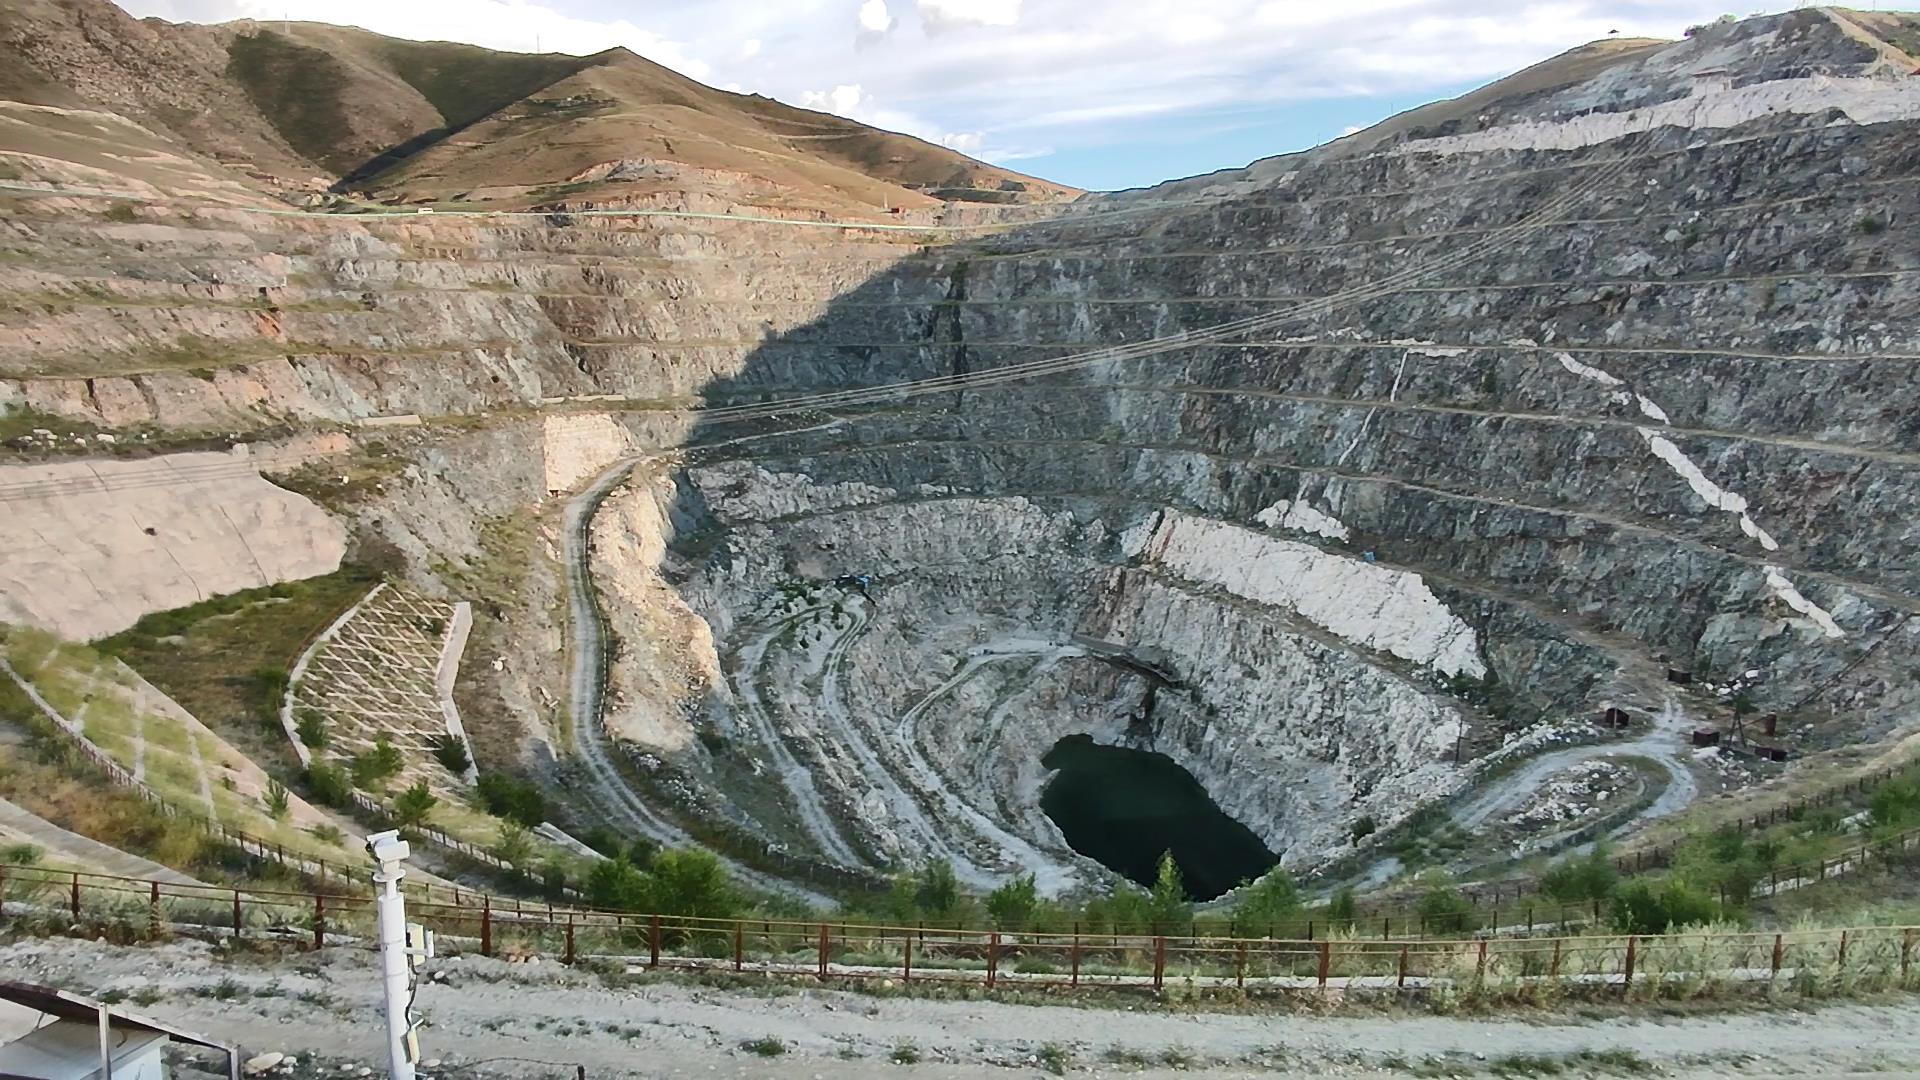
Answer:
(397, 957)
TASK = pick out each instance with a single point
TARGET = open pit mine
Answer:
(1543, 462)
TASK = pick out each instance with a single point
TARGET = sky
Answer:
(1100, 94)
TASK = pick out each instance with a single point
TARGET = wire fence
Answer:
(1691, 963)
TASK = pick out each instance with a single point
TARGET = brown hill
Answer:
(309, 103)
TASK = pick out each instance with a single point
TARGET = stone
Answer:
(261, 1063)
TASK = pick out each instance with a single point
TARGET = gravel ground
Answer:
(324, 1009)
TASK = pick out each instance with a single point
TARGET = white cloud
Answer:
(750, 48)
(941, 14)
(874, 17)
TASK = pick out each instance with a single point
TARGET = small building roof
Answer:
(67, 1005)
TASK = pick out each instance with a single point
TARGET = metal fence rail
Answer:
(1691, 962)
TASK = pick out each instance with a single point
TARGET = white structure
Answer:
(57, 1035)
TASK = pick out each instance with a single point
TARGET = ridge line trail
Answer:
(668, 1028)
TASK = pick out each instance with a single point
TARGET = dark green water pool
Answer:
(1123, 808)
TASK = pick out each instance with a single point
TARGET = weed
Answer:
(147, 995)
(1525, 1065)
(764, 1047)
(1055, 1058)
(904, 1053)
(121, 212)
(224, 990)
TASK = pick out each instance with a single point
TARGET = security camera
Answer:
(387, 847)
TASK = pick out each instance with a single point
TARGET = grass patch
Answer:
(764, 1047)
(225, 659)
(904, 1053)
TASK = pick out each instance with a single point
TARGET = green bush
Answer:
(374, 765)
(1011, 905)
(329, 784)
(311, 726)
(1344, 909)
(505, 797)
(451, 752)
(1444, 911)
(1267, 902)
(1644, 907)
(1585, 878)
(1362, 828)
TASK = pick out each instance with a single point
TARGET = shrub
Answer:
(20, 854)
(764, 1047)
(1443, 910)
(122, 212)
(1167, 903)
(451, 752)
(311, 726)
(936, 890)
(277, 800)
(505, 797)
(1641, 907)
(1011, 905)
(411, 808)
(1268, 901)
(1872, 226)
(516, 844)
(1344, 909)
(329, 784)
(1361, 829)
(1589, 877)
(374, 765)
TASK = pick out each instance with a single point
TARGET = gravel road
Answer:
(553, 1018)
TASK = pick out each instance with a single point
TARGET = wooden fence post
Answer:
(153, 908)
(1553, 971)
(653, 940)
(570, 955)
(319, 921)
(823, 950)
(1906, 953)
(236, 913)
(1074, 978)
(1240, 965)
(1480, 965)
(1627, 975)
(1840, 961)
(1779, 954)
(1401, 981)
(1159, 962)
(75, 900)
(1326, 962)
(993, 958)
(486, 926)
(906, 957)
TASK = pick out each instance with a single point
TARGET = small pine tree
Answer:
(451, 752)
(373, 766)
(516, 844)
(411, 807)
(937, 893)
(1167, 903)
(277, 800)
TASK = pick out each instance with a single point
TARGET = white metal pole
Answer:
(390, 852)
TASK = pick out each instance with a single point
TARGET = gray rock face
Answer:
(1535, 400)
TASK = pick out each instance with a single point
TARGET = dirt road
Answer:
(552, 1018)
